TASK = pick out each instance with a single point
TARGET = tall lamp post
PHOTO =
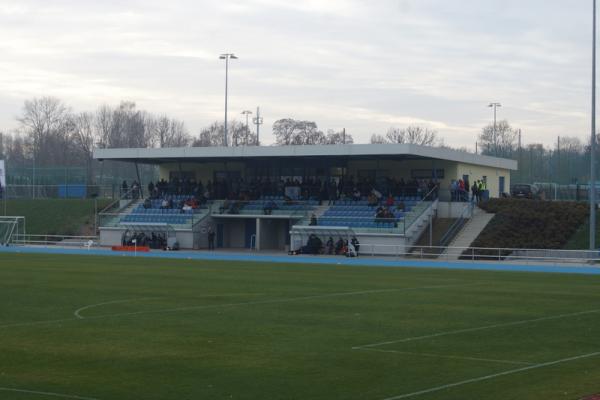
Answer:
(246, 113)
(495, 106)
(258, 120)
(593, 141)
(226, 57)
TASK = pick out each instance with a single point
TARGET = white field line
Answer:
(479, 328)
(48, 394)
(492, 376)
(79, 310)
(447, 356)
(226, 305)
(284, 300)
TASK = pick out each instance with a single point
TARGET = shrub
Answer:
(531, 224)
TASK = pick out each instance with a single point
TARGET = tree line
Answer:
(51, 134)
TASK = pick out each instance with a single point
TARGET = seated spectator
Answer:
(339, 246)
(329, 245)
(389, 217)
(355, 243)
(313, 220)
(377, 193)
(356, 194)
(147, 203)
(344, 249)
(400, 206)
(351, 250)
(164, 204)
(372, 200)
(389, 202)
(313, 245)
(269, 206)
(224, 206)
(379, 215)
(235, 207)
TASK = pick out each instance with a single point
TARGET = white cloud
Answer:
(343, 63)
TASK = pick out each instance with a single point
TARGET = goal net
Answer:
(11, 228)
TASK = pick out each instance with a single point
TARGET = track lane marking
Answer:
(492, 376)
(431, 355)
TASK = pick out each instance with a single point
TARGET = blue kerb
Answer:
(201, 255)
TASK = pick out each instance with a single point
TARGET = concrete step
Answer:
(470, 231)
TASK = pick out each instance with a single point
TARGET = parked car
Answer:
(525, 191)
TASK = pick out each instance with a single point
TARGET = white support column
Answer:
(257, 243)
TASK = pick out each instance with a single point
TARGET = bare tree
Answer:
(378, 139)
(48, 124)
(289, 131)
(339, 137)
(501, 141)
(103, 122)
(169, 132)
(86, 136)
(212, 135)
(413, 135)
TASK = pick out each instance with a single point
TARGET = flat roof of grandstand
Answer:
(342, 151)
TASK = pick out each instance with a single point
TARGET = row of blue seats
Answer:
(174, 197)
(282, 202)
(168, 219)
(407, 207)
(357, 224)
(261, 206)
(358, 214)
(364, 201)
(142, 210)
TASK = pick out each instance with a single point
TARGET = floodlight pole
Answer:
(258, 122)
(495, 106)
(247, 112)
(226, 57)
(593, 141)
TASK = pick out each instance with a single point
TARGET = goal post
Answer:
(11, 229)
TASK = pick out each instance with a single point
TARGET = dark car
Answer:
(525, 191)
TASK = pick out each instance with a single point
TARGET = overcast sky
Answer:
(362, 65)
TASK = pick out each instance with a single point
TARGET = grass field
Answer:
(131, 328)
(55, 216)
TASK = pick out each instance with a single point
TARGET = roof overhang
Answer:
(346, 151)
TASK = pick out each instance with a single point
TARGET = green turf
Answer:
(581, 238)
(181, 329)
(54, 216)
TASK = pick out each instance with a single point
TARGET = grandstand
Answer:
(276, 197)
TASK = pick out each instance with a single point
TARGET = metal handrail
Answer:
(415, 216)
(42, 239)
(124, 196)
(475, 253)
(457, 225)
